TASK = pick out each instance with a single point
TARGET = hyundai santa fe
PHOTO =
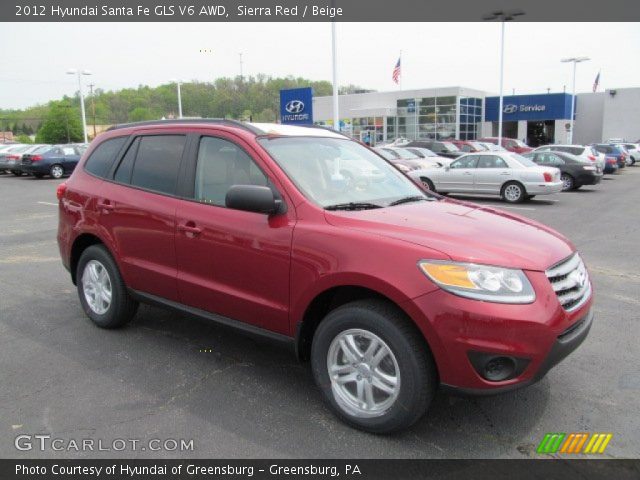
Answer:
(389, 290)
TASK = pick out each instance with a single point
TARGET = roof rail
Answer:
(182, 121)
(322, 127)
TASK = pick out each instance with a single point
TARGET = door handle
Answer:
(106, 205)
(468, 173)
(505, 173)
(189, 227)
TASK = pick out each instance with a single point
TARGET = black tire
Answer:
(428, 184)
(56, 171)
(17, 173)
(122, 307)
(418, 376)
(568, 182)
(38, 175)
(509, 197)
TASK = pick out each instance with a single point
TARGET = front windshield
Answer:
(523, 160)
(333, 171)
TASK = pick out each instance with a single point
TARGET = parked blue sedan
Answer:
(53, 160)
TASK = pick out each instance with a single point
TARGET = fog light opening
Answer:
(499, 368)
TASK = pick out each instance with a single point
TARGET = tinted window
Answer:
(549, 159)
(123, 173)
(222, 164)
(491, 161)
(103, 156)
(468, 161)
(157, 162)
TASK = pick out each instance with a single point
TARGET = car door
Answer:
(459, 176)
(491, 173)
(137, 208)
(230, 262)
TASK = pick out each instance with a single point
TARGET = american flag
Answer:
(596, 82)
(396, 72)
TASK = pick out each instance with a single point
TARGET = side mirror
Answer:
(253, 198)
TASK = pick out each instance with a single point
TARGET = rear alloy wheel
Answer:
(428, 184)
(103, 294)
(373, 366)
(513, 192)
(56, 171)
(568, 183)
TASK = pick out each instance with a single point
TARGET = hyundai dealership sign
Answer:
(296, 107)
(545, 106)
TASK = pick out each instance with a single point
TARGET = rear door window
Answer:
(103, 156)
(157, 163)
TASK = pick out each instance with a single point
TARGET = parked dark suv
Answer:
(388, 289)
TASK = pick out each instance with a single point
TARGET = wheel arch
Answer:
(334, 297)
(80, 244)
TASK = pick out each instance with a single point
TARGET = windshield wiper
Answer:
(413, 198)
(353, 206)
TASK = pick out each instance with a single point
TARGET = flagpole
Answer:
(400, 70)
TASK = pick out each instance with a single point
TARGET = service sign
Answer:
(546, 106)
(296, 106)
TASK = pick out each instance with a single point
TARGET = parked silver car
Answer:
(507, 174)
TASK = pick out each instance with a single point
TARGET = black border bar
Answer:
(552, 468)
(317, 11)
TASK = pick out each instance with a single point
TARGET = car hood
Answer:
(464, 231)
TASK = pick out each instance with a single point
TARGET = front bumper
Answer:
(541, 333)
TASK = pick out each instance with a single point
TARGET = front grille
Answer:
(570, 280)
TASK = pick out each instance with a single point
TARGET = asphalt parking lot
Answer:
(168, 376)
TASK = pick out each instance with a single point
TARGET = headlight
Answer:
(480, 282)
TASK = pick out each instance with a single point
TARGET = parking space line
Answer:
(48, 203)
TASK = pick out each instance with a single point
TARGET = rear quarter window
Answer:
(103, 156)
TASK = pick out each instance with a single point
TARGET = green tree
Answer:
(22, 138)
(61, 125)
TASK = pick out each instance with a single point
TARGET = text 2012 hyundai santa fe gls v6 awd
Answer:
(389, 290)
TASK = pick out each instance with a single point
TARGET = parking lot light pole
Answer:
(178, 83)
(575, 61)
(334, 58)
(84, 117)
(502, 16)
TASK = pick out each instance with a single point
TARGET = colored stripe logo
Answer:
(574, 443)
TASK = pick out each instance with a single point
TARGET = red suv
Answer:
(389, 290)
(511, 144)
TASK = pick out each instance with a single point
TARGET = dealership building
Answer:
(468, 114)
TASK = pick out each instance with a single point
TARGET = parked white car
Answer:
(584, 152)
(427, 154)
(507, 174)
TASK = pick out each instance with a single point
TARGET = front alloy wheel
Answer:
(373, 366)
(513, 193)
(364, 373)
